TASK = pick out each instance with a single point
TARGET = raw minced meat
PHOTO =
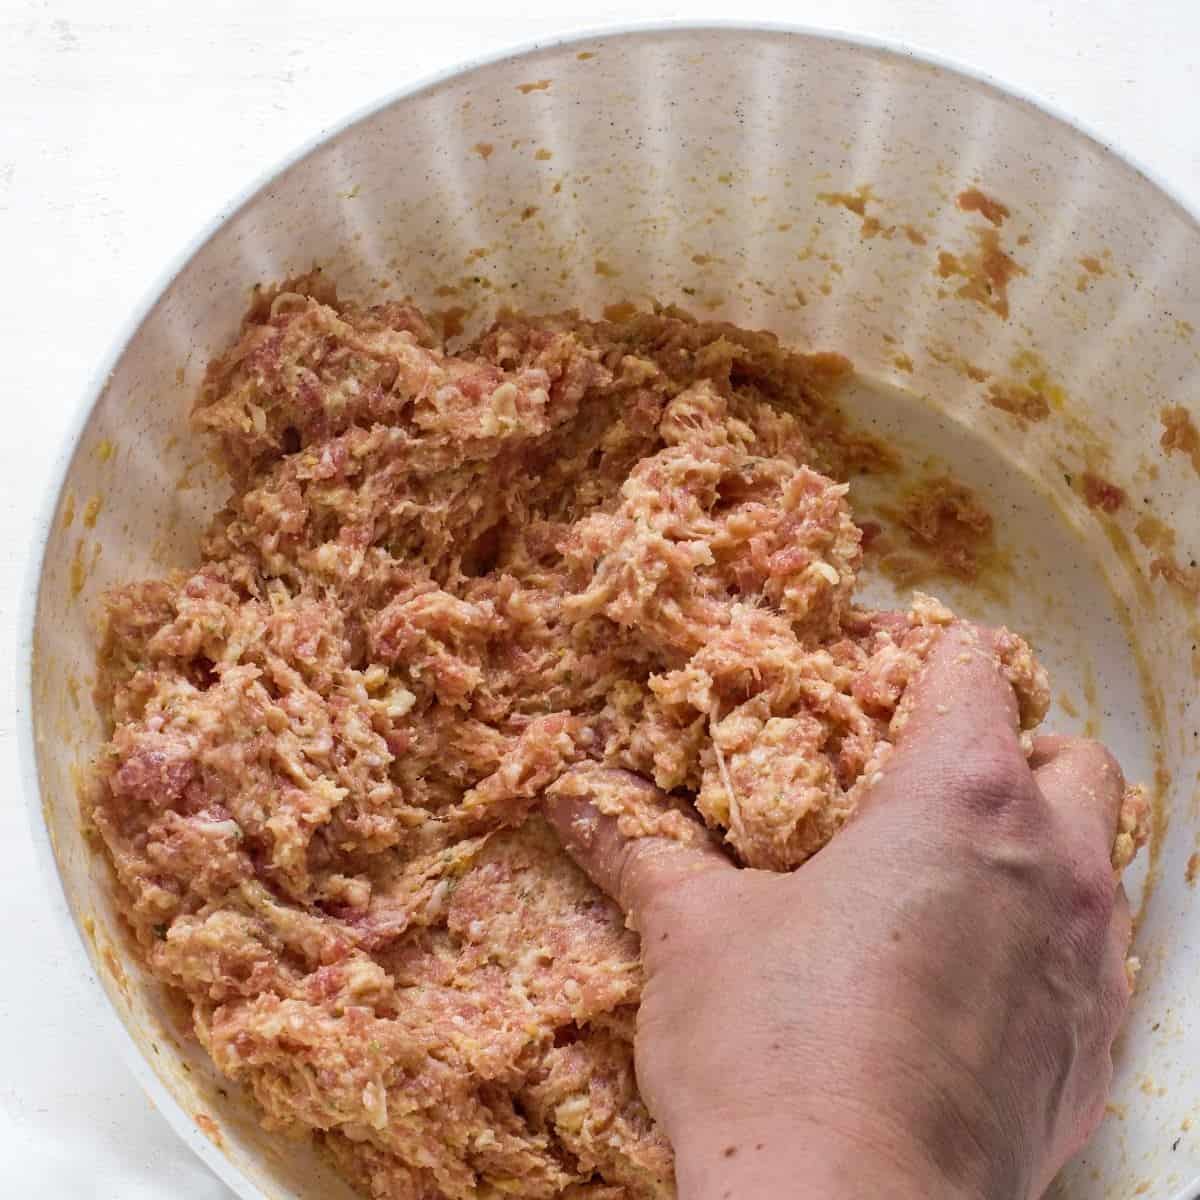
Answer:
(445, 583)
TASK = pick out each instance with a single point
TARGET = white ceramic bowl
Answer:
(690, 164)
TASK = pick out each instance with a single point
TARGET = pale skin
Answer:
(927, 1007)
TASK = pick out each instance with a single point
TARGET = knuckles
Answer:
(1099, 763)
(988, 783)
(1089, 892)
(1082, 901)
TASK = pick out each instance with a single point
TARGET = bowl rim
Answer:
(156, 1090)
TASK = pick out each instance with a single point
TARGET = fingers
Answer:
(1120, 932)
(895, 623)
(961, 700)
(633, 842)
(957, 746)
(1083, 783)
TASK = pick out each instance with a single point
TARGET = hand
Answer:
(924, 1009)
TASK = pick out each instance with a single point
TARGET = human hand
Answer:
(927, 1007)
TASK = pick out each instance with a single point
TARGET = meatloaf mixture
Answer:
(445, 584)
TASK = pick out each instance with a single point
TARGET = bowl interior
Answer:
(816, 187)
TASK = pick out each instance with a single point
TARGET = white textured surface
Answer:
(120, 135)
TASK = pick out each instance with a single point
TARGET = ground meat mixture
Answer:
(445, 583)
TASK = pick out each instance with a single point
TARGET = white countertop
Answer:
(124, 126)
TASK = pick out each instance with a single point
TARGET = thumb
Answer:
(633, 841)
